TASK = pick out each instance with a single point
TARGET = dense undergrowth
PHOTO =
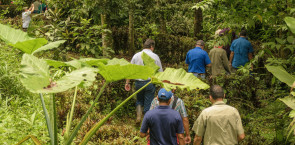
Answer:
(254, 93)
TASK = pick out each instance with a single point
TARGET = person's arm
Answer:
(181, 139)
(241, 137)
(186, 128)
(225, 62)
(231, 57)
(250, 56)
(32, 8)
(127, 85)
(197, 140)
(142, 135)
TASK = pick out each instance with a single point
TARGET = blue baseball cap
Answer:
(164, 95)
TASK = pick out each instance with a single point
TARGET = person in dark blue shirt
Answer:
(241, 51)
(163, 123)
(197, 60)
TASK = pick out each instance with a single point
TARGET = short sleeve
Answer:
(207, 59)
(179, 128)
(232, 46)
(240, 129)
(250, 48)
(144, 125)
(158, 63)
(200, 125)
(154, 104)
(182, 110)
(133, 60)
(187, 59)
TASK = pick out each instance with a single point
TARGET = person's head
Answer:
(243, 33)
(216, 93)
(200, 43)
(149, 44)
(164, 96)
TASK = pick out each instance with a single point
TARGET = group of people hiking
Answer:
(166, 120)
(37, 7)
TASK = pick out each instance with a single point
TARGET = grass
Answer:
(20, 111)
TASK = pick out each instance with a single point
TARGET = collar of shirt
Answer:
(198, 48)
(219, 103)
(147, 50)
(163, 107)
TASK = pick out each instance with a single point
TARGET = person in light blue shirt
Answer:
(241, 51)
(197, 60)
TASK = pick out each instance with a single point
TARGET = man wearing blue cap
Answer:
(163, 122)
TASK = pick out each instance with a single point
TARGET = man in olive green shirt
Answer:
(219, 61)
(219, 124)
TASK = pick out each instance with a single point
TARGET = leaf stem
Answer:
(48, 123)
(76, 129)
(69, 123)
(91, 132)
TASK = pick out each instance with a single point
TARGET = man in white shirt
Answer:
(146, 96)
(26, 16)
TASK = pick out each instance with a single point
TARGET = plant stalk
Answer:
(92, 131)
(76, 129)
(69, 123)
(48, 123)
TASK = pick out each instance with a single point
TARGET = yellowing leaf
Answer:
(178, 78)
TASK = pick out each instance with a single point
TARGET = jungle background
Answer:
(118, 28)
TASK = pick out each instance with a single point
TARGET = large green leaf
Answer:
(118, 69)
(290, 21)
(10, 35)
(35, 76)
(77, 63)
(178, 78)
(49, 46)
(29, 46)
(34, 73)
(84, 76)
(148, 61)
(280, 73)
(55, 63)
(289, 101)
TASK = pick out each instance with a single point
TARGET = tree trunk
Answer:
(198, 21)
(106, 36)
(131, 28)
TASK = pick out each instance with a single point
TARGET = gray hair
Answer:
(200, 43)
(216, 92)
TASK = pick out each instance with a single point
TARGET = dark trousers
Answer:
(145, 96)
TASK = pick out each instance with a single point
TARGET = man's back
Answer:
(219, 124)
(197, 59)
(136, 59)
(241, 47)
(219, 61)
(164, 123)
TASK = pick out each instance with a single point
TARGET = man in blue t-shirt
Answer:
(241, 51)
(197, 60)
(163, 122)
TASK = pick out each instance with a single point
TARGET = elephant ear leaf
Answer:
(148, 61)
(118, 69)
(49, 46)
(280, 73)
(11, 35)
(83, 77)
(178, 78)
(34, 73)
(35, 76)
(29, 46)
